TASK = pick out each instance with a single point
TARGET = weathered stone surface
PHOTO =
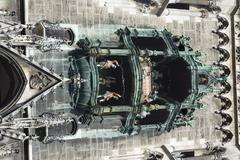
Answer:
(95, 21)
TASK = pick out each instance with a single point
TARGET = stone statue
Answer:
(108, 64)
(153, 155)
(109, 95)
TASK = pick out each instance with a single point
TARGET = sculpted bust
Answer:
(39, 81)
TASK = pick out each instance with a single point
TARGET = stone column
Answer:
(114, 52)
(127, 157)
(147, 154)
(192, 2)
(112, 109)
(206, 150)
(48, 29)
(200, 13)
(106, 44)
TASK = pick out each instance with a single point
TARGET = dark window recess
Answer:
(71, 36)
(157, 44)
(10, 82)
(155, 117)
(184, 111)
(187, 154)
(179, 6)
(121, 81)
(172, 77)
(179, 80)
